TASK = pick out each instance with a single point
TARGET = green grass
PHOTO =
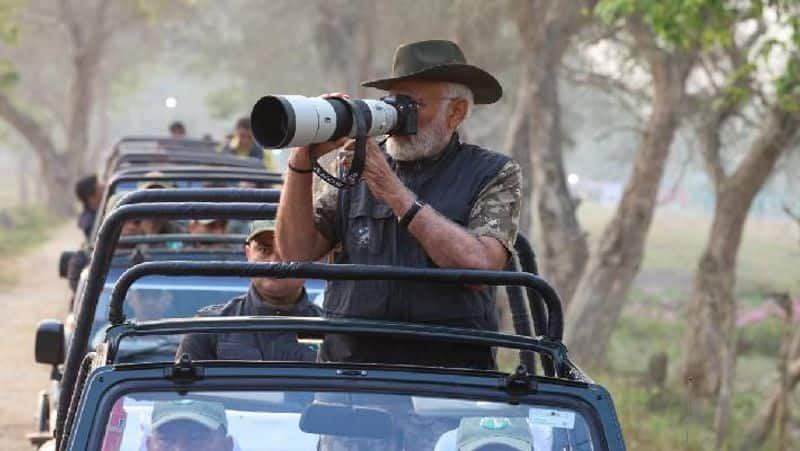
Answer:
(20, 229)
(768, 256)
(672, 423)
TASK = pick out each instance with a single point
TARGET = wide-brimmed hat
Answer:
(439, 60)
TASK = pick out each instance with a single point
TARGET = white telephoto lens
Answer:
(314, 120)
(384, 117)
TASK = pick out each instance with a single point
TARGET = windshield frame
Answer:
(107, 384)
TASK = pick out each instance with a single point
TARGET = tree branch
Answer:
(74, 28)
(27, 127)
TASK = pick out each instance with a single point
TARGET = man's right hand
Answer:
(302, 157)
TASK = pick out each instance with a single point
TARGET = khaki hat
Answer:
(443, 61)
(259, 227)
(207, 413)
(476, 433)
(208, 221)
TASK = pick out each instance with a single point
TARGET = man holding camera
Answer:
(425, 200)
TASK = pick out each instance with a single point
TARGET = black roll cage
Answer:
(186, 169)
(103, 252)
(219, 202)
(189, 194)
(134, 157)
(305, 326)
(308, 270)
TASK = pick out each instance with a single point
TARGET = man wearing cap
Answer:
(426, 200)
(216, 226)
(266, 297)
(188, 425)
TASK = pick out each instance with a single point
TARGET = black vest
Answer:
(369, 234)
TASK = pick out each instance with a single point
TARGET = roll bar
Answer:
(553, 349)
(107, 239)
(305, 270)
(189, 195)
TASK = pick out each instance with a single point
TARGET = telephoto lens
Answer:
(293, 120)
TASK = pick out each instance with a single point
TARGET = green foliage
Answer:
(22, 227)
(762, 338)
(685, 24)
(9, 9)
(225, 103)
(8, 76)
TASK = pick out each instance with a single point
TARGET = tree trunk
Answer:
(604, 287)
(23, 196)
(759, 429)
(53, 168)
(518, 143)
(712, 310)
(85, 65)
(546, 34)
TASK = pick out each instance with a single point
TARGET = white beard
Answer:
(426, 143)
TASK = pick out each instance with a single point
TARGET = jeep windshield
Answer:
(149, 301)
(156, 298)
(302, 420)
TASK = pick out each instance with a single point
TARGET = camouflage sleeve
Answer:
(496, 212)
(325, 200)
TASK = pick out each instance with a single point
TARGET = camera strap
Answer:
(359, 153)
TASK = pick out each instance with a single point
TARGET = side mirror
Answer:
(63, 263)
(50, 345)
(346, 420)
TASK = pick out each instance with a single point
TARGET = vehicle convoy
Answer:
(116, 383)
(110, 403)
(157, 297)
(295, 405)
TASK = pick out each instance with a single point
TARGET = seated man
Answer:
(207, 226)
(266, 297)
(149, 304)
(189, 425)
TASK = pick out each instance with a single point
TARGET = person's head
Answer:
(149, 304)
(260, 247)
(242, 134)
(436, 74)
(207, 226)
(177, 130)
(89, 191)
(442, 108)
(189, 425)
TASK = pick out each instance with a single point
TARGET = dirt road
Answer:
(39, 293)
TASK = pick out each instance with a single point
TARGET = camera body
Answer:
(292, 120)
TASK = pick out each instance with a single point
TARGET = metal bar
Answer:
(183, 169)
(183, 238)
(192, 195)
(307, 270)
(114, 335)
(214, 195)
(107, 238)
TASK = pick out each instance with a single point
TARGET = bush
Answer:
(762, 338)
(22, 227)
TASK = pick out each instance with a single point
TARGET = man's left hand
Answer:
(383, 183)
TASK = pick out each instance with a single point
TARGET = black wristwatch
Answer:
(406, 219)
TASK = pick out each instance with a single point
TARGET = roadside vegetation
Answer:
(662, 417)
(22, 228)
